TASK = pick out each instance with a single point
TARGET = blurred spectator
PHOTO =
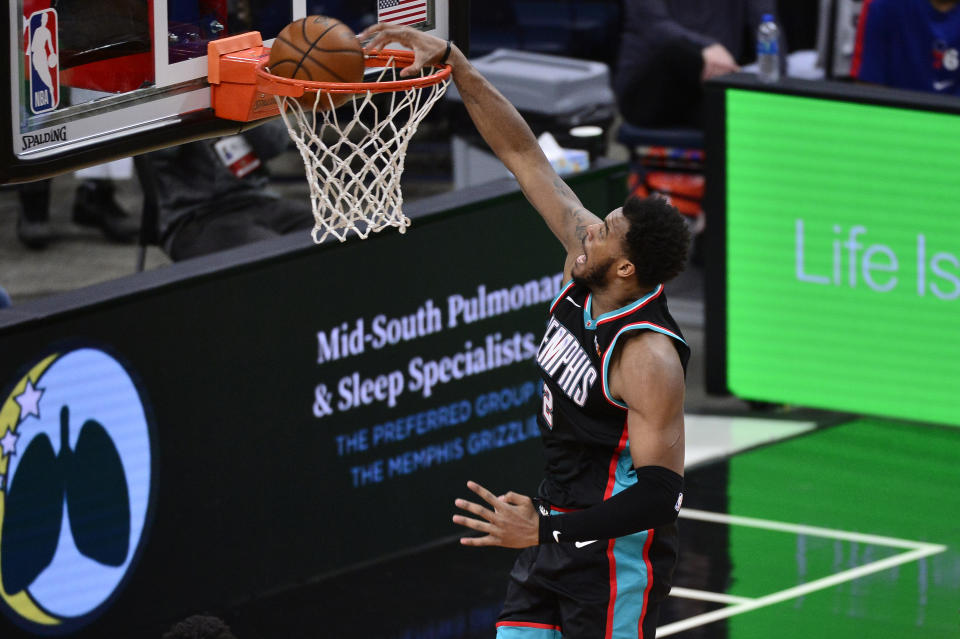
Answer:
(213, 194)
(670, 47)
(4, 299)
(799, 23)
(200, 627)
(94, 204)
(909, 44)
(33, 220)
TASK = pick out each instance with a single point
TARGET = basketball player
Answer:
(600, 539)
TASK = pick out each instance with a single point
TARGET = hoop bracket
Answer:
(232, 65)
(242, 89)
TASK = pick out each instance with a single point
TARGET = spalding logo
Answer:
(75, 489)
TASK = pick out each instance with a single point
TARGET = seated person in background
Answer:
(94, 204)
(213, 194)
(670, 47)
(909, 44)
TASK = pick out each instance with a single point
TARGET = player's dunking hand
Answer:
(427, 49)
(513, 522)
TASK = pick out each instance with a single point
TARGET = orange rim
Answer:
(278, 85)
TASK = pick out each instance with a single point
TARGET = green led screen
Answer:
(843, 255)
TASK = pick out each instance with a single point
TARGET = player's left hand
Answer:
(513, 521)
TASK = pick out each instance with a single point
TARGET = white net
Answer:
(354, 156)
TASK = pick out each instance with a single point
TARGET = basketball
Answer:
(318, 49)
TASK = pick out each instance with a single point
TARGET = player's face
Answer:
(602, 248)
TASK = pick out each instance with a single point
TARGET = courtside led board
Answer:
(842, 246)
(198, 461)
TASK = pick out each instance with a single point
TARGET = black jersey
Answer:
(559, 587)
(584, 429)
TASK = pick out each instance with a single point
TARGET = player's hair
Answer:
(200, 627)
(657, 239)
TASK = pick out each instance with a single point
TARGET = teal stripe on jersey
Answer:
(630, 566)
(646, 326)
(590, 323)
(530, 631)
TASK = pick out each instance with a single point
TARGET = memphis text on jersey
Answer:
(560, 349)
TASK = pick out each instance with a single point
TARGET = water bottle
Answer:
(768, 50)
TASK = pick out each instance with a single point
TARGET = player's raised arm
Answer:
(504, 130)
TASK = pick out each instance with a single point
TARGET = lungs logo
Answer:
(75, 489)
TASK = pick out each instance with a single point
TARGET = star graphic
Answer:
(29, 401)
(9, 443)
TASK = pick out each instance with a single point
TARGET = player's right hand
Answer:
(427, 49)
(510, 521)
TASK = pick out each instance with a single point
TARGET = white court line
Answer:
(918, 551)
(798, 591)
(733, 520)
(703, 595)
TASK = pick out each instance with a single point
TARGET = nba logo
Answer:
(44, 70)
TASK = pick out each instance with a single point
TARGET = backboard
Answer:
(94, 81)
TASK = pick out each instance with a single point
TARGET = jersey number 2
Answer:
(548, 406)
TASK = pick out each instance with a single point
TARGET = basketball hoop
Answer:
(354, 155)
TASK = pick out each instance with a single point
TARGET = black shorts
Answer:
(608, 589)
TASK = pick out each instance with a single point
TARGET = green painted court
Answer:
(846, 531)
